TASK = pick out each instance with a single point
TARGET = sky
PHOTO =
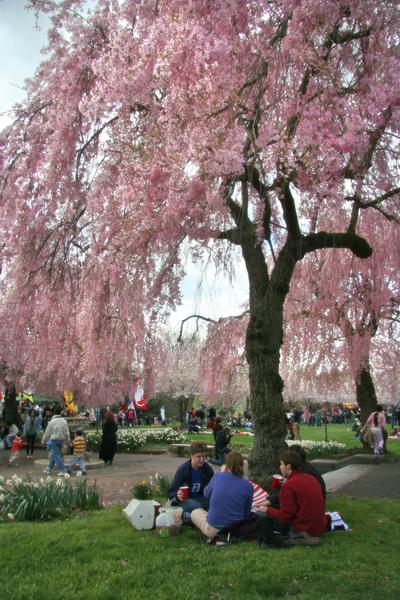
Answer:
(21, 41)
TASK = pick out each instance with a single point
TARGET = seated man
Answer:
(309, 468)
(221, 444)
(231, 498)
(195, 473)
(301, 510)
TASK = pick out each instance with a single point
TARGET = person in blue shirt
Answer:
(230, 495)
(196, 473)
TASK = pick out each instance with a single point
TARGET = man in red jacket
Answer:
(301, 504)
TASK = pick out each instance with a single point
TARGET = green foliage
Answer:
(129, 440)
(25, 500)
(155, 487)
(100, 556)
(141, 490)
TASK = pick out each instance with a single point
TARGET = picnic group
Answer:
(226, 507)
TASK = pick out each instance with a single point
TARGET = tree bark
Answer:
(263, 342)
(365, 393)
(11, 415)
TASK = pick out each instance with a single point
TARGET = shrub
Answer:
(319, 449)
(155, 487)
(26, 500)
(141, 490)
(129, 440)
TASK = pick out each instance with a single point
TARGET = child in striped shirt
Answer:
(79, 446)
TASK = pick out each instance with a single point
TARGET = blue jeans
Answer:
(192, 503)
(55, 447)
(74, 461)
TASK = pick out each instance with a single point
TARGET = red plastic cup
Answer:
(277, 481)
(184, 489)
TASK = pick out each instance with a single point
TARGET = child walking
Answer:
(17, 445)
(79, 446)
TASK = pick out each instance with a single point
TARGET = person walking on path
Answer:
(108, 445)
(374, 430)
(17, 445)
(32, 426)
(57, 435)
(79, 446)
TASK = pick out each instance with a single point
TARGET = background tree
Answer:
(269, 128)
(178, 378)
(341, 320)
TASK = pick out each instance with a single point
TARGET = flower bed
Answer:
(129, 440)
(319, 449)
(26, 500)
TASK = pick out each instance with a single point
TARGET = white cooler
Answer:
(141, 513)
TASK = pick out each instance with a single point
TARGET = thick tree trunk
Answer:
(11, 405)
(266, 387)
(263, 342)
(365, 393)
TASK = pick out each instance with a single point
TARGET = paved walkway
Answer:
(380, 481)
(116, 481)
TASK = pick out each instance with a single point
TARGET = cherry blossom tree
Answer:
(179, 375)
(342, 321)
(264, 129)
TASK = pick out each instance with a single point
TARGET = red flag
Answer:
(140, 398)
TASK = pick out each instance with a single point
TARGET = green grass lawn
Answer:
(99, 556)
(336, 433)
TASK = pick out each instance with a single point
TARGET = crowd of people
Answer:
(225, 506)
(46, 424)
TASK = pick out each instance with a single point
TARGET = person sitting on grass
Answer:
(194, 473)
(222, 444)
(309, 468)
(79, 449)
(231, 498)
(301, 513)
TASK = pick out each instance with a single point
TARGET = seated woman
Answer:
(231, 498)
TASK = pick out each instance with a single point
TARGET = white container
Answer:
(169, 521)
(141, 513)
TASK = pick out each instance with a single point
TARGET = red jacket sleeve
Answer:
(287, 510)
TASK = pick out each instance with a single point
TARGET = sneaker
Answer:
(221, 541)
(62, 473)
(46, 471)
(302, 538)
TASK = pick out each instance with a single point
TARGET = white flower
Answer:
(10, 517)
(79, 474)
(59, 482)
(67, 475)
